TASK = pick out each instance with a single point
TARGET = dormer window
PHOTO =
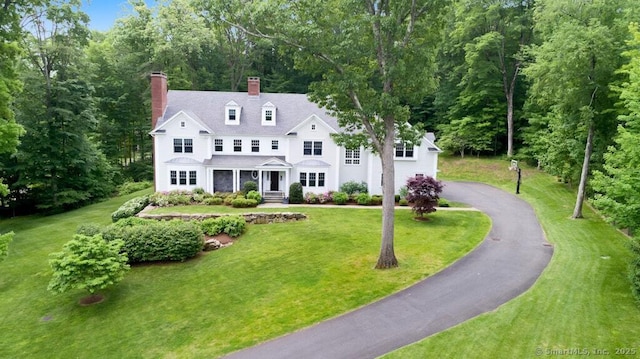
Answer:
(268, 114)
(232, 113)
(313, 127)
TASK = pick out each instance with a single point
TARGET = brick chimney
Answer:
(158, 96)
(253, 86)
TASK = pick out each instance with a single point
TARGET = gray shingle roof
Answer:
(241, 161)
(209, 107)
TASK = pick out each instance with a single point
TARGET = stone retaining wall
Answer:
(252, 218)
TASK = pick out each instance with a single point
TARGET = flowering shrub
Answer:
(255, 195)
(310, 198)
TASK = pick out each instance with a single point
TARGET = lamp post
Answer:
(514, 167)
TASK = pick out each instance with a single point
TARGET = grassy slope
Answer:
(275, 279)
(582, 300)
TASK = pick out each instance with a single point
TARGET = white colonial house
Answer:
(219, 140)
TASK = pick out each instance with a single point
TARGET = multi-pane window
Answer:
(312, 148)
(174, 177)
(232, 114)
(183, 145)
(274, 144)
(404, 150)
(268, 115)
(183, 177)
(255, 145)
(312, 179)
(180, 177)
(193, 177)
(218, 144)
(237, 145)
(352, 157)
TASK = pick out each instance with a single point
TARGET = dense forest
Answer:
(555, 83)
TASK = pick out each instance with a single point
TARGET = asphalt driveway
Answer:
(503, 266)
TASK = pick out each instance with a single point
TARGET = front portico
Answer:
(228, 173)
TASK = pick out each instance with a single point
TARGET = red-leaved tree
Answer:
(423, 194)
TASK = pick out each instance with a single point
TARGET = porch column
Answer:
(260, 189)
(287, 174)
(235, 181)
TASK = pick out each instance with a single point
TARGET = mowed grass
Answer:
(275, 279)
(581, 304)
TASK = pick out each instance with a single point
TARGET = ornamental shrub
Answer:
(5, 239)
(130, 187)
(89, 229)
(249, 186)
(244, 203)
(363, 199)
(255, 195)
(424, 193)
(353, 187)
(295, 193)
(230, 198)
(130, 208)
(234, 226)
(198, 190)
(403, 202)
(151, 240)
(310, 198)
(403, 192)
(443, 203)
(340, 198)
(89, 263)
(376, 200)
(213, 201)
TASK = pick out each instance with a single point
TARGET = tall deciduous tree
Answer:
(480, 64)
(56, 164)
(618, 194)
(375, 57)
(570, 74)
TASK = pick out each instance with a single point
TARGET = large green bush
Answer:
(353, 187)
(148, 241)
(255, 195)
(363, 199)
(340, 198)
(295, 193)
(234, 226)
(249, 186)
(130, 208)
(130, 187)
(5, 239)
(89, 263)
(244, 203)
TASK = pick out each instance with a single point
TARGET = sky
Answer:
(103, 13)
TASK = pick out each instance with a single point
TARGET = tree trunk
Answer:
(577, 211)
(387, 258)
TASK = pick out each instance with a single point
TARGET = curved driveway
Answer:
(503, 266)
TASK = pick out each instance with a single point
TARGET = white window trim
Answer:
(352, 160)
(268, 107)
(404, 157)
(313, 148)
(232, 106)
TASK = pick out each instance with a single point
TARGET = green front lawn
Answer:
(275, 279)
(582, 302)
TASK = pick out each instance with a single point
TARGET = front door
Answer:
(275, 179)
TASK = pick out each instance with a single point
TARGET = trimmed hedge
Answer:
(148, 240)
(295, 193)
(231, 225)
(130, 208)
(244, 203)
(363, 199)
